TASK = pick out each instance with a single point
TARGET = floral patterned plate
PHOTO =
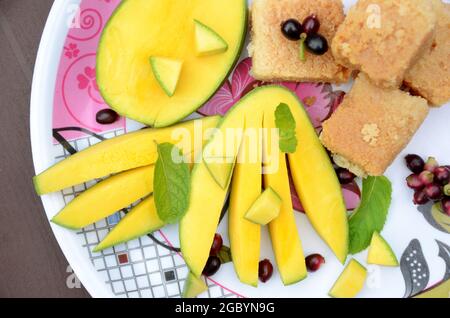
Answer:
(65, 100)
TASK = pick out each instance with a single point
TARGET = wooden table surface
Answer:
(31, 262)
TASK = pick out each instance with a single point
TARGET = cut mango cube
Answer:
(207, 41)
(167, 72)
(266, 208)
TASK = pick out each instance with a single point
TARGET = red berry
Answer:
(415, 163)
(311, 24)
(314, 261)
(446, 206)
(426, 177)
(431, 164)
(345, 176)
(413, 181)
(442, 175)
(265, 270)
(433, 191)
(216, 245)
(212, 266)
(420, 197)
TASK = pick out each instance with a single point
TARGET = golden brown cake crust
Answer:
(430, 76)
(383, 38)
(276, 58)
(373, 125)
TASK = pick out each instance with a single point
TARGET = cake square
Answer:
(372, 126)
(384, 38)
(276, 58)
(430, 76)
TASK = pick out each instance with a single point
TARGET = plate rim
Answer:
(42, 92)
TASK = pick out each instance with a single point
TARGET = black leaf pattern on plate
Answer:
(414, 268)
(444, 253)
(434, 215)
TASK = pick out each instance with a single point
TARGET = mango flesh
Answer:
(207, 197)
(245, 236)
(350, 282)
(286, 242)
(193, 286)
(380, 252)
(141, 220)
(198, 226)
(207, 41)
(140, 29)
(106, 197)
(121, 153)
(167, 73)
(318, 186)
(266, 208)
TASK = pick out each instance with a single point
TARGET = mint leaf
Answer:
(371, 214)
(171, 185)
(286, 125)
(224, 254)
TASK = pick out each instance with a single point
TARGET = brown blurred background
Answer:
(31, 262)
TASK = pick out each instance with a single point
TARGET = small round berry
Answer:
(316, 44)
(426, 177)
(212, 266)
(311, 24)
(433, 191)
(265, 270)
(414, 163)
(413, 181)
(314, 262)
(291, 29)
(216, 245)
(420, 197)
(442, 175)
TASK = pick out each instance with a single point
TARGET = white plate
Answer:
(407, 230)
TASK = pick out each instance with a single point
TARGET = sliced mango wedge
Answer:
(207, 41)
(106, 197)
(266, 208)
(121, 153)
(245, 236)
(193, 286)
(350, 282)
(380, 253)
(318, 186)
(167, 73)
(283, 231)
(141, 220)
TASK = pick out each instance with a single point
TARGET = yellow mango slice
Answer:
(286, 242)
(245, 236)
(121, 153)
(350, 282)
(141, 220)
(106, 197)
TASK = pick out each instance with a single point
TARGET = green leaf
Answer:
(371, 214)
(286, 125)
(224, 254)
(171, 184)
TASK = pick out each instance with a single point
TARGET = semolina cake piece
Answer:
(276, 58)
(430, 76)
(384, 38)
(372, 126)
